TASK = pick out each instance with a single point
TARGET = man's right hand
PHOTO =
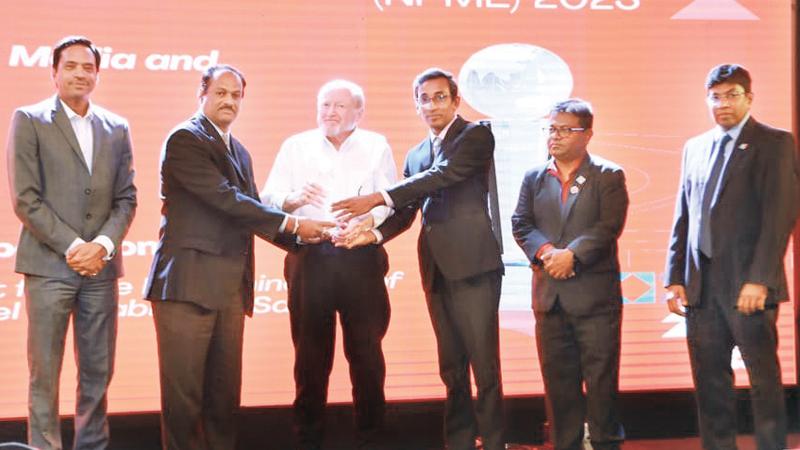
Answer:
(677, 293)
(309, 194)
(313, 231)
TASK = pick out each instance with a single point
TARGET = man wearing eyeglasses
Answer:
(570, 213)
(735, 209)
(447, 178)
(335, 160)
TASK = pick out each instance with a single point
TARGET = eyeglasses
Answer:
(437, 99)
(562, 131)
(716, 99)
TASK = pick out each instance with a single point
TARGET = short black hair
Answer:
(577, 107)
(729, 73)
(209, 73)
(69, 41)
(432, 73)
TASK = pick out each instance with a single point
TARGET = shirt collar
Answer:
(443, 133)
(552, 168)
(225, 136)
(72, 114)
(733, 132)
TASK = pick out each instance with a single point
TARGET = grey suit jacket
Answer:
(755, 211)
(588, 223)
(209, 214)
(452, 193)
(56, 197)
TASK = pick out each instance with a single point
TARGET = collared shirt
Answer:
(363, 164)
(566, 187)
(553, 170)
(431, 135)
(226, 139)
(82, 126)
(734, 133)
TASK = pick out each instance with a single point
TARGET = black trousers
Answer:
(465, 321)
(573, 351)
(713, 328)
(200, 367)
(322, 281)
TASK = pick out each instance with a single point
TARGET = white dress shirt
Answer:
(82, 126)
(363, 164)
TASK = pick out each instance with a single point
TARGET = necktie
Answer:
(436, 146)
(708, 196)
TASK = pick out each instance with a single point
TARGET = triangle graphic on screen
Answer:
(715, 10)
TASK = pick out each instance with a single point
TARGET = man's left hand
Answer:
(87, 258)
(559, 263)
(356, 206)
(752, 298)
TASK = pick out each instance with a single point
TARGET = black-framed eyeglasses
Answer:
(562, 131)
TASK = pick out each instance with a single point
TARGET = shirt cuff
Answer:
(282, 228)
(386, 198)
(546, 247)
(378, 235)
(107, 244)
(78, 241)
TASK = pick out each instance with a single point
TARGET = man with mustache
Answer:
(201, 279)
(71, 181)
(333, 161)
(569, 215)
(736, 206)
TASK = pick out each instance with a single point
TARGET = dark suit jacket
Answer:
(452, 192)
(209, 215)
(751, 221)
(57, 198)
(588, 223)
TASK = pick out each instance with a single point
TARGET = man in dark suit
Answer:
(570, 212)
(447, 177)
(736, 206)
(71, 182)
(201, 280)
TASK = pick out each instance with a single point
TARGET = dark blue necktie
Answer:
(708, 196)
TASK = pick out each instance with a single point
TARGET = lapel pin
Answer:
(574, 190)
(743, 146)
(581, 179)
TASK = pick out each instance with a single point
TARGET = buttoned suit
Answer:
(750, 222)
(59, 199)
(578, 318)
(461, 271)
(201, 282)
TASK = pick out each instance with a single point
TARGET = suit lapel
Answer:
(219, 145)
(97, 142)
(62, 122)
(737, 159)
(447, 143)
(575, 189)
(239, 165)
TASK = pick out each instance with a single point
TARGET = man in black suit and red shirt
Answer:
(736, 207)
(201, 280)
(447, 177)
(570, 213)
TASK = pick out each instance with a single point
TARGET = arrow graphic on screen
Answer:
(715, 10)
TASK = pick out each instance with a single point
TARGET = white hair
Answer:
(354, 89)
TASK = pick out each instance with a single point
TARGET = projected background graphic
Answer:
(641, 63)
